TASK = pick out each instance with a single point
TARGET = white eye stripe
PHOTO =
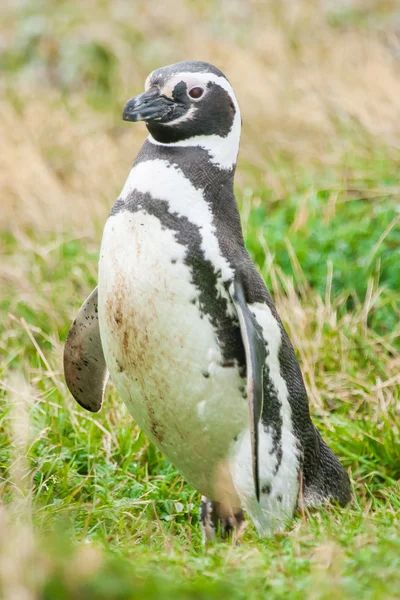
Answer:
(191, 80)
(201, 80)
(148, 80)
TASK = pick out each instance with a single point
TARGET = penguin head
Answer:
(184, 101)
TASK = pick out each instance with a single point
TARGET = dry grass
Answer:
(302, 85)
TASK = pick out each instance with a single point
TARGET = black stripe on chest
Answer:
(205, 277)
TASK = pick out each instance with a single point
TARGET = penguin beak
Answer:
(149, 106)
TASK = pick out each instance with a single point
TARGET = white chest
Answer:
(162, 353)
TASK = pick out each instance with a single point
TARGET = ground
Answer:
(89, 509)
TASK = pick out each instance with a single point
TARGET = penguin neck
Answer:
(213, 184)
(195, 164)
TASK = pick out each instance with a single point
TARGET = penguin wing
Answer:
(255, 360)
(85, 367)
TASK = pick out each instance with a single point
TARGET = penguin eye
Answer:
(196, 93)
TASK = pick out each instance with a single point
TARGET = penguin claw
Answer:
(216, 521)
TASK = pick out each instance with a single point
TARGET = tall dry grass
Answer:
(304, 73)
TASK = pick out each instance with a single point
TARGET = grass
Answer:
(89, 509)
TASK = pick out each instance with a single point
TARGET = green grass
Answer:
(96, 480)
(88, 508)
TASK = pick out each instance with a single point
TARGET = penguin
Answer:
(185, 327)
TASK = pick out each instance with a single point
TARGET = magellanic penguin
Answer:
(185, 326)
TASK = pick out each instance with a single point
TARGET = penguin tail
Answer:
(327, 481)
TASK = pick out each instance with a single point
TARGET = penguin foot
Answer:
(215, 519)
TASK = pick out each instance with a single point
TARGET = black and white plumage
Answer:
(189, 332)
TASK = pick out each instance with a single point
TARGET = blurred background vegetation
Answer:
(88, 508)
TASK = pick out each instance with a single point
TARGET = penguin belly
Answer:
(163, 355)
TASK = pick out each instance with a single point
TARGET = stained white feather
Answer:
(159, 348)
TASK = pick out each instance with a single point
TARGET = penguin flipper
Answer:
(255, 360)
(85, 367)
